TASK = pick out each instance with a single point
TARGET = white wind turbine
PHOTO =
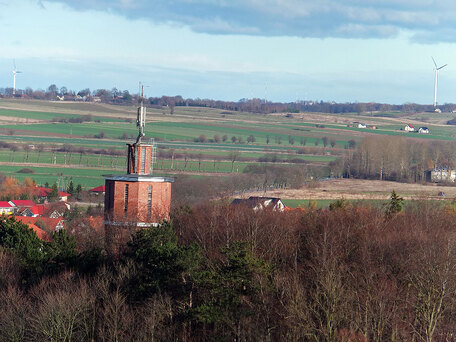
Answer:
(14, 77)
(436, 79)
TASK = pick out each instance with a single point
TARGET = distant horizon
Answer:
(136, 93)
(344, 51)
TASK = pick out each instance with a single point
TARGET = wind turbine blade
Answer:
(434, 62)
(443, 66)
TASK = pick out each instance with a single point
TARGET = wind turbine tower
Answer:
(14, 77)
(436, 77)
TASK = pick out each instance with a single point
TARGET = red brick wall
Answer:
(138, 201)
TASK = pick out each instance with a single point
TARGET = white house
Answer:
(423, 130)
(409, 128)
(257, 203)
(443, 174)
(6, 208)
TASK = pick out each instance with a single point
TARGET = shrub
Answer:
(25, 170)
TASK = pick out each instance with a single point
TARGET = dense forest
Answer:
(254, 105)
(223, 273)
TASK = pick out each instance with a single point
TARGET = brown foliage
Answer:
(341, 275)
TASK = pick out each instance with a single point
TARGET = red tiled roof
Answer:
(39, 232)
(23, 203)
(5, 204)
(37, 209)
(44, 192)
(51, 223)
(411, 126)
(46, 208)
(100, 188)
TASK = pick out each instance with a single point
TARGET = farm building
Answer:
(423, 130)
(439, 175)
(409, 128)
(258, 203)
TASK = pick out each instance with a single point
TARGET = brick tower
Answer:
(136, 199)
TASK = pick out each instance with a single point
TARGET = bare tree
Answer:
(233, 155)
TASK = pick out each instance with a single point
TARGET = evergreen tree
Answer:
(54, 194)
(231, 289)
(162, 265)
(70, 188)
(61, 251)
(395, 204)
(19, 238)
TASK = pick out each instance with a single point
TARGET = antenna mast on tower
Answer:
(141, 116)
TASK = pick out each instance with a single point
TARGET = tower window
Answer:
(143, 160)
(149, 203)
(126, 201)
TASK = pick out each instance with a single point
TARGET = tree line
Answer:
(254, 105)
(218, 272)
(396, 158)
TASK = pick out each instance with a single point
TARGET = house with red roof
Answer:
(40, 233)
(22, 203)
(98, 190)
(43, 194)
(52, 210)
(6, 208)
(52, 224)
(409, 128)
(19, 205)
(35, 211)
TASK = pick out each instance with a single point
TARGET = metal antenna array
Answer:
(153, 155)
(141, 116)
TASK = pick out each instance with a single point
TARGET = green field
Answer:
(274, 135)
(46, 116)
(88, 178)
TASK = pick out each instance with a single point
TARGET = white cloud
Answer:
(303, 18)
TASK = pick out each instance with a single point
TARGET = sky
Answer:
(278, 50)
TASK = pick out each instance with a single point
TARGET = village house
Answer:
(6, 208)
(52, 210)
(409, 128)
(43, 194)
(19, 205)
(439, 175)
(423, 130)
(259, 203)
(359, 124)
(99, 190)
(52, 224)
